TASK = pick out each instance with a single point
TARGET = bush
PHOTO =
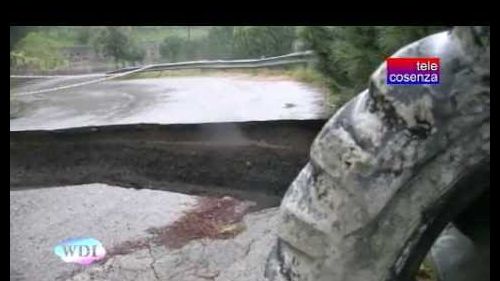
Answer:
(17, 33)
(348, 55)
(38, 52)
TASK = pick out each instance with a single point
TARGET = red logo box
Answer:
(413, 70)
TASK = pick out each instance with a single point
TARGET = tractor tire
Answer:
(390, 170)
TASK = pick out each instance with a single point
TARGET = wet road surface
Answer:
(40, 218)
(163, 101)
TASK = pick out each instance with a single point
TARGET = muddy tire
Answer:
(390, 170)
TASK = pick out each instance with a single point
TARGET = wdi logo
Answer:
(413, 71)
(85, 250)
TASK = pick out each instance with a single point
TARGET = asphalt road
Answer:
(40, 219)
(162, 101)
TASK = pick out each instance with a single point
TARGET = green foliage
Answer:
(256, 41)
(391, 38)
(115, 42)
(348, 55)
(38, 51)
(84, 35)
(229, 42)
(65, 35)
(173, 48)
(135, 54)
(123, 44)
(17, 33)
(220, 42)
(308, 75)
(159, 33)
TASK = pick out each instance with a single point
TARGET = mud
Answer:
(247, 160)
(213, 218)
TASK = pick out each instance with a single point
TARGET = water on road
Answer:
(164, 101)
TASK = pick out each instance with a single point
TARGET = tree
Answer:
(172, 48)
(134, 53)
(256, 41)
(114, 42)
(220, 42)
(349, 54)
(17, 33)
(117, 43)
(37, 51)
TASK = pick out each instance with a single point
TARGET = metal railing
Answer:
(293, 58)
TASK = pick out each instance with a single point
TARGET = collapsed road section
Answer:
(249, 160)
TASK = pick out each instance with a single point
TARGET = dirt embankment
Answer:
(248, 160)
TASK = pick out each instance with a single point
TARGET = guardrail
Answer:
(293, 58)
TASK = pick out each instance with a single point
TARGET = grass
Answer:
(166, 73)
(40, 51)
(302, 74)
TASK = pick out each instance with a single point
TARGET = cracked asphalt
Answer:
(41, 218)
(239, 258)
